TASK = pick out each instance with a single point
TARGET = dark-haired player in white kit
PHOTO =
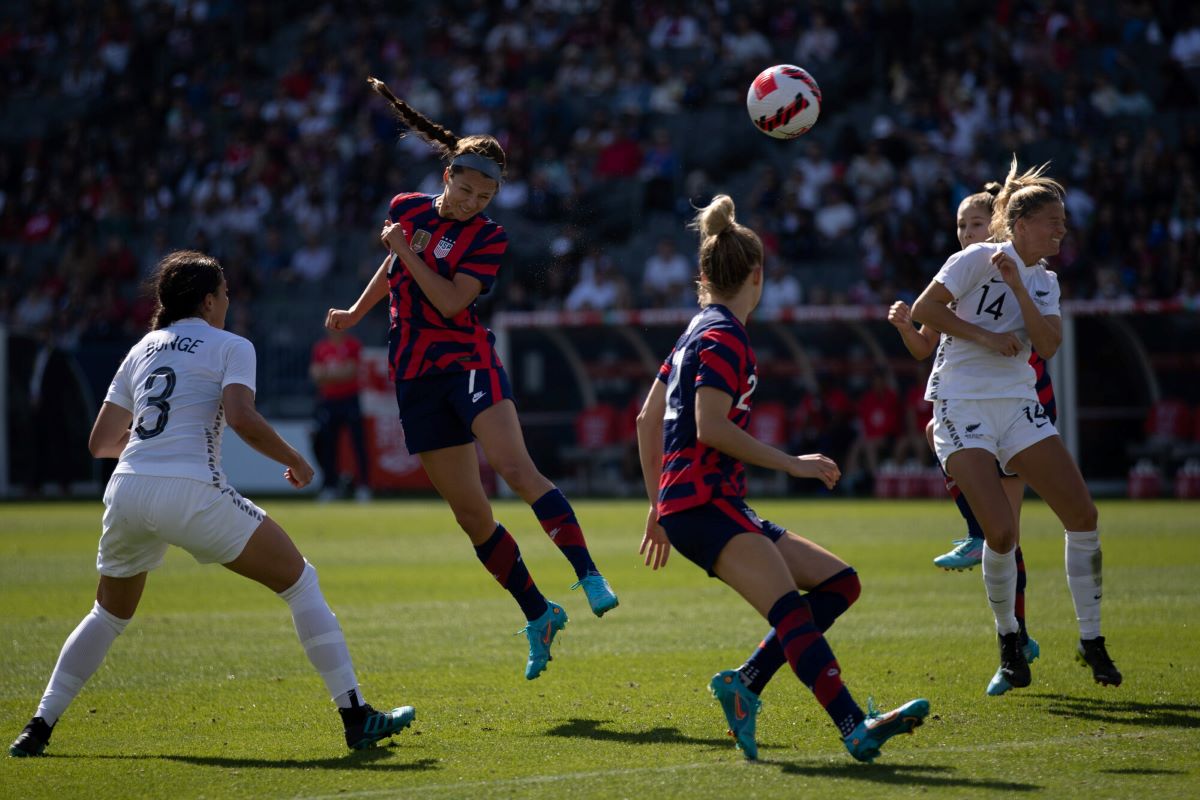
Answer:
(163, 419)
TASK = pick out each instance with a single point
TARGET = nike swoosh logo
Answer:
(1042, 425)
(549, 628)
(1097, 596)
(996, 280)
(737, 707)
(1041, 294)
(973, 428)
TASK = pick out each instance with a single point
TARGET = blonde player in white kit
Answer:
(163, 418)
(990, 306)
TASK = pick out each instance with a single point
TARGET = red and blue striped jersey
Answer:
(1043, 386)
(422, 341)
(713, 351)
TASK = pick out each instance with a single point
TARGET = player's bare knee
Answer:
(476, 522)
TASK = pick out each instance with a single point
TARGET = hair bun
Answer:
(717, 217)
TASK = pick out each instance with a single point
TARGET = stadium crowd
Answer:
(247, 130)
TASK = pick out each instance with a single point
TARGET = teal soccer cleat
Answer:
(365, 726)
(33, 739)
(865, 741)
(966, 554)
(741, 709)
(999, 684)
(541, 633)
(599, 594)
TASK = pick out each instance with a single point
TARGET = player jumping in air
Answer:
(451, 388)
(974, 217)
(986, 406)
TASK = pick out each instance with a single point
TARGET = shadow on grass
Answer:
(362, 759)
(1124, 712)
(590, 729)
(926, 777)
(1143, 771)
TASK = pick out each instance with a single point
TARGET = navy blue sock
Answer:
(557, 517)
(501, 557)
(812, 660)
(828, 600)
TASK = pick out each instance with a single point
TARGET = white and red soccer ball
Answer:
(784, 101)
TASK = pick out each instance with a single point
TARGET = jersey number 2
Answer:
(159, 401)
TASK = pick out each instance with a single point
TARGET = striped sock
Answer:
(813, 661)
(557, 517)
(501, 557)
(828, 600)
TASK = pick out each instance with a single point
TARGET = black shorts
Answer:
(701, 533)
(437, 411)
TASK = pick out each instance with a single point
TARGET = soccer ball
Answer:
(784, 101)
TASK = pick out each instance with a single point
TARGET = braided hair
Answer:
(448, 144)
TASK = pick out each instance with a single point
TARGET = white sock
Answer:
(1084, 578)
(322, 637)
(80, 657)
(1000, 580)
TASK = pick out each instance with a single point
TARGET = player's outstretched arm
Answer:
(337, 319)
(255, 431)
(717, 430)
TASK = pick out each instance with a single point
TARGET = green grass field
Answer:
(208, 694)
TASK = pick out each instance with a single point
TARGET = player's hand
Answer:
(900, 315)
(393, 239)
(815, 465)
(1006, 344)
(337, 319)
(299, 474)
(1008, 269)
(655, 545)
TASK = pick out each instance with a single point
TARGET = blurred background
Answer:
(246, 129)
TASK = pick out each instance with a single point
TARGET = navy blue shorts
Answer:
(701, 533)
(436, 411)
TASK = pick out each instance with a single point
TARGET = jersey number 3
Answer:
(159, 401)
(996, 309)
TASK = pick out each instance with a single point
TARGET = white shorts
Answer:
(1002, 427)
(143, 514)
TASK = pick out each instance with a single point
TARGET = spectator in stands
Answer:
(666, 276)
(313, 261)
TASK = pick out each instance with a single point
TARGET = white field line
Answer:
(472, 787)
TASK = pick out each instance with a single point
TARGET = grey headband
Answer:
(479, 164)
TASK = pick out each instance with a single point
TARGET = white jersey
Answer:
(964, 370)
(172, 382)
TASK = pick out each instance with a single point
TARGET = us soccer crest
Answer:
(419, 240)
(443, 248)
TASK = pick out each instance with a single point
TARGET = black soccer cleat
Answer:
(1092, 653)
(1013, 665)
(365, 726)
(33, 739)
